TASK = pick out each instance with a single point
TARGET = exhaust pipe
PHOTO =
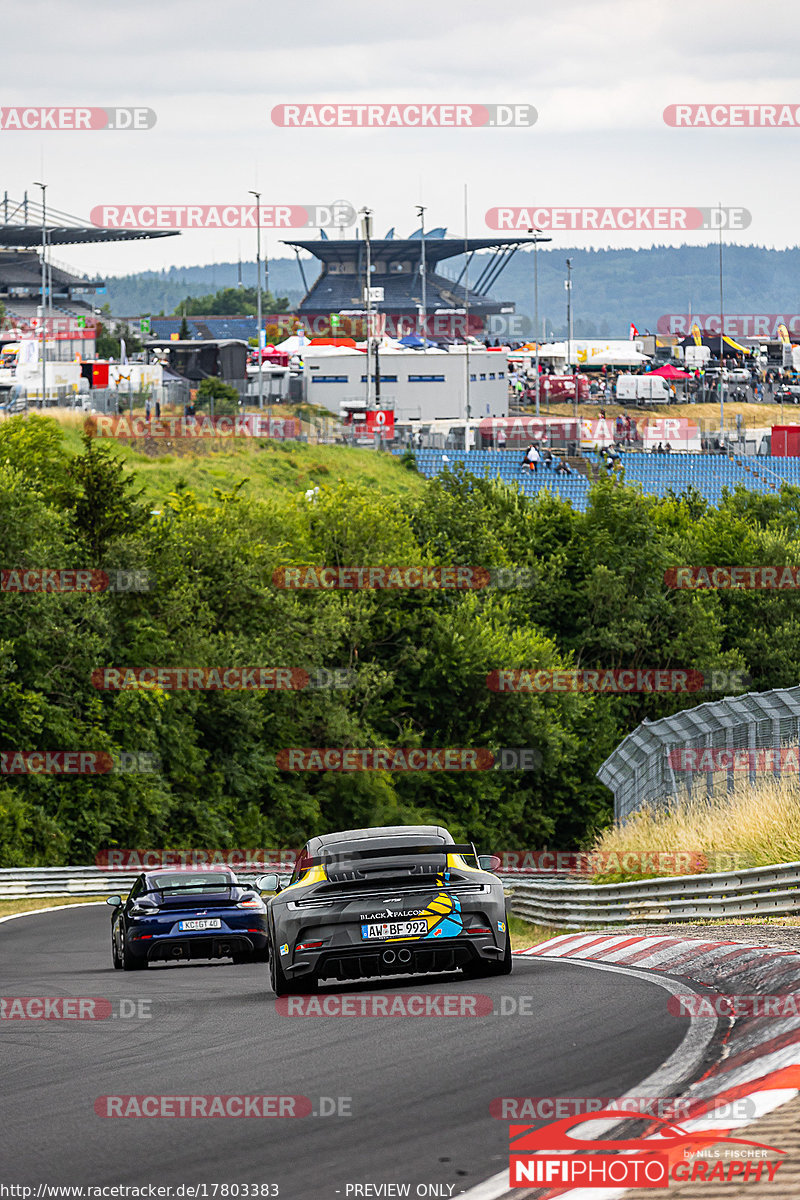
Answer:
(388, 957)
(404, 956)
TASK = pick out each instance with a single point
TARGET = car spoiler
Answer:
(344, 856)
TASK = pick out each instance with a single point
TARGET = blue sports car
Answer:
(175, 915)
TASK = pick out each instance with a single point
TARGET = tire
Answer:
(115, 958)
(282, 986)
(129, 961)
(484, 968)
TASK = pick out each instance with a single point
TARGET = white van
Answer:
(652, 388)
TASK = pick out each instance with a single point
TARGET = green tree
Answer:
(225, 397)
(108, 344)
(232, 302)
(106, 507)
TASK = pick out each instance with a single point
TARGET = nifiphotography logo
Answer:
(552, 1156)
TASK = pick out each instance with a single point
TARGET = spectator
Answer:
(532, 457)
(547, 458)
(564, 468)
(501, 439)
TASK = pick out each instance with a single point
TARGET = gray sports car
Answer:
(399, 900)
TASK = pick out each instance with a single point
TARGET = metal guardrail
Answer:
(39, 882)
(18, 883)
(759, 891)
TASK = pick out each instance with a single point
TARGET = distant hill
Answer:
(611, 288)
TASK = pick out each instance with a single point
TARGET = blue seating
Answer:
(656, 474)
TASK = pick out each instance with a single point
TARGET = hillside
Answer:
(611, 288)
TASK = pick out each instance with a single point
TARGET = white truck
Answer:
(60, 379)
(695, 357)
(653, 389)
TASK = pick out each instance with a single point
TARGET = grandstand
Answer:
(656, 474)
(397, 268)
(213, 328)
(71, 323)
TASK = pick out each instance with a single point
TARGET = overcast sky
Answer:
(599, 73)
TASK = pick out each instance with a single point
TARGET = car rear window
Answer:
(208, 881)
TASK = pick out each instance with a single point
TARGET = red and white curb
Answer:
(760, 1061)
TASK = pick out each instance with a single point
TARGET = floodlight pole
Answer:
(258, 300)
(568, 286)
(534, 231)
(366, 226)
(721, 327)
(43, 186)
(424, 330)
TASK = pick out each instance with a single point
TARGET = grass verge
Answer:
(754, 825)
(9, 907)
(525, 934)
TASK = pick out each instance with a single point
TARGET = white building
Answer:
(419, 385)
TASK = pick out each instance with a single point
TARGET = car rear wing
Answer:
(342, 859)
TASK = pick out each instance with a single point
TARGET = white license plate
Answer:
(394, 929)
(210, 923)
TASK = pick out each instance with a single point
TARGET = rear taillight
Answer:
(309, 946)
(252, 903)
(482, 929)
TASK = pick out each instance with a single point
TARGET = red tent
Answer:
(670, 372)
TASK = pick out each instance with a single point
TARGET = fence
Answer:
(40, 882)
(641, 771)
(760, 891)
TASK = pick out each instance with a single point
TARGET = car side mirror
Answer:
(268, 883)
(116, 901)
(488, 862)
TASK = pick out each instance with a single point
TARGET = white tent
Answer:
(616, 358)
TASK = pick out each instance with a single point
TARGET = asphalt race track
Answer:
(419, 1087)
